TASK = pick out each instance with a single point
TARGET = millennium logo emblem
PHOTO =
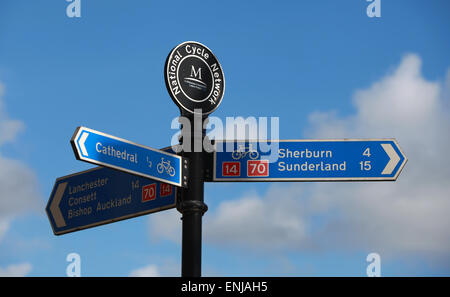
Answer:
(194, 78)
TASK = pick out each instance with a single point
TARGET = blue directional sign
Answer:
(101, 196)
(308, 160)
(120, 154)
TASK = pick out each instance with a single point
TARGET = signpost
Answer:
(137, 180)
(101, 195)
(309, 160)
(195, 81)
(116, 153)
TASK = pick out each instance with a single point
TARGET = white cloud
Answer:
(18, 183)
(147, 271)
(4, 226)
(409, 216)
(18, 188)
(163, 267)
(8, 128)
(257, 222)
(16, 270)
(165, 225)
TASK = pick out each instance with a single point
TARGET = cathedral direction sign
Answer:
(120, 154)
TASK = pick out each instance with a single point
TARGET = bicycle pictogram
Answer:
(165, 166)
(243, 151)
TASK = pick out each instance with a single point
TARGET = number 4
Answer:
(367, 152)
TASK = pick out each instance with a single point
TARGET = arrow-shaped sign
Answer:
(120, 154)
(101, 195)
(394, 158)
(55, 211)
(308, 160)
(82, 142)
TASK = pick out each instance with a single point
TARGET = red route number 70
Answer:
(258, 168)
(254, 168)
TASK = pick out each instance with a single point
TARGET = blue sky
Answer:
(323, 67)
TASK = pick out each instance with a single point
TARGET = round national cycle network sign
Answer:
(194, 78)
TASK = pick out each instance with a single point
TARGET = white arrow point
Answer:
(394, 158)
(82, 141)
(54, 207)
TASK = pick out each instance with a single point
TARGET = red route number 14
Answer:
(231, 168)
(149, 191)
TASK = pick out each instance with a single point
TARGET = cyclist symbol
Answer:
(241, 152)
(165, 166)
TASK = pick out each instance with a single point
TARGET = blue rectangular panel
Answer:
(101, 196)
(116, 153)
(309, 160)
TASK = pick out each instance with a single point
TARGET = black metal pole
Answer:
(191, 204)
